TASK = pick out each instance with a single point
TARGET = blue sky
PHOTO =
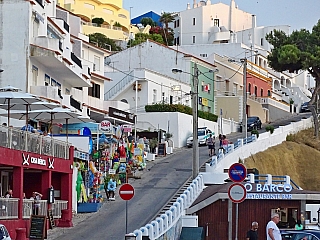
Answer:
(296, 13)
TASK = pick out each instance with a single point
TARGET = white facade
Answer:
(153, 87)
(209, 23)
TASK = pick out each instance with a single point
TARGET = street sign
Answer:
(126, 191)
(105, 126)
(237, 172)
(237, 193)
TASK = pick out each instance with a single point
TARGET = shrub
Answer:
(98, 21)
(159, 107)
(270, 128)
(255, 132)
(290, 137)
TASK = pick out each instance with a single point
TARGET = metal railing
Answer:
(33, 142)
(9, 208)
(57, 206)
(119, 86)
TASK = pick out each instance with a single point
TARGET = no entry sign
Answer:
(126, 191)
(237, 172)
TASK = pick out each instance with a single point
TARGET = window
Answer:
(107, 11)
(178, 23)
(249, 88)
(255, 91)
(122, 16)
(175, 24)
(46, 80)
(154, 100)
(261, 92)
(194, 21)
(178, 40)
(193, 39)
(269, 93)
(35, 28)
(87, 5)
(235, 89)
(203, 55)
(67, 91)
(261, 41)
(216, 22)
(94, 91)
(218, 83)
(163, 95)
(96, 64)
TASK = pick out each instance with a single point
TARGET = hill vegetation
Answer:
(298, 157)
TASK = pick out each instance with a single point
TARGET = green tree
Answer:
(298, 51)
(166, 18)
(142, 37)
(147, 21)
(98, 21)
(103, 41)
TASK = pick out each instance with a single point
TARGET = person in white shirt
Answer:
(273, 232)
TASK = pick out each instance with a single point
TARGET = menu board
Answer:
(37, 227)
(161, 149)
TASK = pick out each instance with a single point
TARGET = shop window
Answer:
(94, 91)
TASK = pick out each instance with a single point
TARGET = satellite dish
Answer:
(107, 61)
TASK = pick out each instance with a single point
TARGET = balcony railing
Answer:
(76, 60)
(9, 208)
(32, 142)
(56, 208)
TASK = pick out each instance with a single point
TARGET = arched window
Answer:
(261, 92)
(249, 88)
(269, 93)
(256, 91)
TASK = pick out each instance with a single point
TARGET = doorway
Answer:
(4, 183)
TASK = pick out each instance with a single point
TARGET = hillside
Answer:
(298, 157)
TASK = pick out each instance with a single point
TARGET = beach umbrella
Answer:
(10, 96)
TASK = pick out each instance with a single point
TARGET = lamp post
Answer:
(244, 111)
(194, 95)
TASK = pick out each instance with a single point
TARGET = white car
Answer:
(4, 233)
(203, 134)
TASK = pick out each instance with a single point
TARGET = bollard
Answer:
(21, 234)
(66, 219)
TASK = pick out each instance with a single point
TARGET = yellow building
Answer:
(110, 10)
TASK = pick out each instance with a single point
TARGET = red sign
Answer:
(126, 191)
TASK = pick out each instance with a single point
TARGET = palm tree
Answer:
(166, 18)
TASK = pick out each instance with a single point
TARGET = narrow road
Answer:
(157, 185)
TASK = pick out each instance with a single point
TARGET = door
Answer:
(4, 183)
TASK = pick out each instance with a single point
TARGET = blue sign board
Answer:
(237, 172)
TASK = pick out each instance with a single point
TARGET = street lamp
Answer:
(194, 94)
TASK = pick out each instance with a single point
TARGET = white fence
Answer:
(265, 140)
(162, 224)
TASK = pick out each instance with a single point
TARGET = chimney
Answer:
(254, 21)
(194, 3)
(188, 6)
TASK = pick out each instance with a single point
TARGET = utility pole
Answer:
(195, 145)
(244, 111)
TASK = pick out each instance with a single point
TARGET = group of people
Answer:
(272, 230)
(223, 144)
(36, 197)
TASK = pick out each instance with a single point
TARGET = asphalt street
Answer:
(159, 182)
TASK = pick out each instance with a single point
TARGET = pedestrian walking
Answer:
(252, 234)
(273, 232)
(211, 145)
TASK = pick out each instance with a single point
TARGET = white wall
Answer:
(180, 125)
(264, 141)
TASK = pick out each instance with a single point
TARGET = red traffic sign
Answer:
(126, 191)
(237, 172)
(237, 193)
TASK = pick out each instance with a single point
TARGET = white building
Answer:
(47, 55)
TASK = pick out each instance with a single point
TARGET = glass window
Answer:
(216, 22)
(46, 80)
(96, 63)
(194, 21)
(193, 39)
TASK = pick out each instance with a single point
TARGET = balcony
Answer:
(9, 208)
(112, 32)
(95, 102)
(76, 60)
(77, 94)
(63, 67)
(32, 142)
(48, 43)
(48, 92)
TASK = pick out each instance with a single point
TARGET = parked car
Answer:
(305, 107)
(203, 134)
(300, 234)
(4, 233)
(252, 123)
